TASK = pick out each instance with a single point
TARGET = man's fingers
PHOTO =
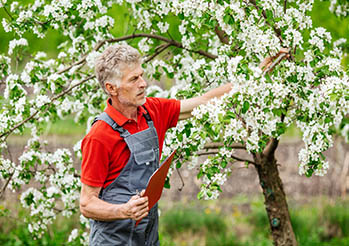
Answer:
(269, 63)
(265, 63)
(284, 50)
(141, 214)
(138, 207)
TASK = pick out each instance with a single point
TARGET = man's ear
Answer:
(111, 88)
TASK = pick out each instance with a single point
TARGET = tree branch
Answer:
(170, 41)
(2, 192)
(8, 13)
(48, 103)
(277, 61)
(161, 49)
(271, 147)
(273, 144)
(213, 152)
(219, 145)
(285, 6)
(276, 30)
(223, 37)
(83, 59)
(180, 176)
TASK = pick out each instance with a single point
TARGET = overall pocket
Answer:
(143, 168)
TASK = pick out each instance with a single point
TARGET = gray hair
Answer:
(111, 61)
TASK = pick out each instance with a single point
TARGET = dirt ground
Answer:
(244, 180)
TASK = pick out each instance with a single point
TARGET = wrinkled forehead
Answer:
(131, 70)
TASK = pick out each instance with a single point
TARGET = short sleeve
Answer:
(95, 162)
(167, 111)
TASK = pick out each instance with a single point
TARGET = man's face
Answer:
(131, 91)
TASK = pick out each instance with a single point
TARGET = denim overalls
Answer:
(144, 160)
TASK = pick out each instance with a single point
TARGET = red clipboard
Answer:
(156, 183)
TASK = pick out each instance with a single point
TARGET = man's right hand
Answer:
(93, 207)
(136, 208)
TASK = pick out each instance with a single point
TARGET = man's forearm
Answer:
(98, 209)
(188, 105)
(217, 92)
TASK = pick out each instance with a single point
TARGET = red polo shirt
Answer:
(105, 153)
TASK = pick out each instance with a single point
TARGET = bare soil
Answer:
(244, 180)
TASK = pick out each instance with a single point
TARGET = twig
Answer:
(277, 60)
(276, 30)
(219, 145)
(223, 37)
(243, 160)
(8, 13)
(5, 186)
(48, 103)
(285, 6)
(180, 176)
(170, 41)
(58, 210)
(232, 156)
(164, 47)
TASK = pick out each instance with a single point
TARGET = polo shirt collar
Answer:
(119, 118)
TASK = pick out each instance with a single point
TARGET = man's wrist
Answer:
(120, 211)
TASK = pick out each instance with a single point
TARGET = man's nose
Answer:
(142, 82)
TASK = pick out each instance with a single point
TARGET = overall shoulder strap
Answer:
(107, 119)
(146, 115)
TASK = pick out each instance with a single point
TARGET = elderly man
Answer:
(123, 148)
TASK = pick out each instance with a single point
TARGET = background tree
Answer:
(198, 45)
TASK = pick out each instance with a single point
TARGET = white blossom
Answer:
(16, 42)
(163, 26)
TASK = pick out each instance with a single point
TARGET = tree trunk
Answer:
(275, 200)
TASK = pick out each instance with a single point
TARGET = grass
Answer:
(63, 131)
(318, 222)
(239, 221)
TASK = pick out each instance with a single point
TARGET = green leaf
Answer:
(223, 163)
(245, 107)
(178, 164)
(280, 128)
(200, 195)
(309, 172)
(167, 183)
(277, 111)
(200, 174)
(328, 119)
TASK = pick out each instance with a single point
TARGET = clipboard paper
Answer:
(156, 183)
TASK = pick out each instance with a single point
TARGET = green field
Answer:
(239, 221)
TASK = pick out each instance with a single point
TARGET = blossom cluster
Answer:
(339, 7)
(259, 108)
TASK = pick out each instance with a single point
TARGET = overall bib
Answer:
(144, 160)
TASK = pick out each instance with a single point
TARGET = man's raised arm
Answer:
(187, 105)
